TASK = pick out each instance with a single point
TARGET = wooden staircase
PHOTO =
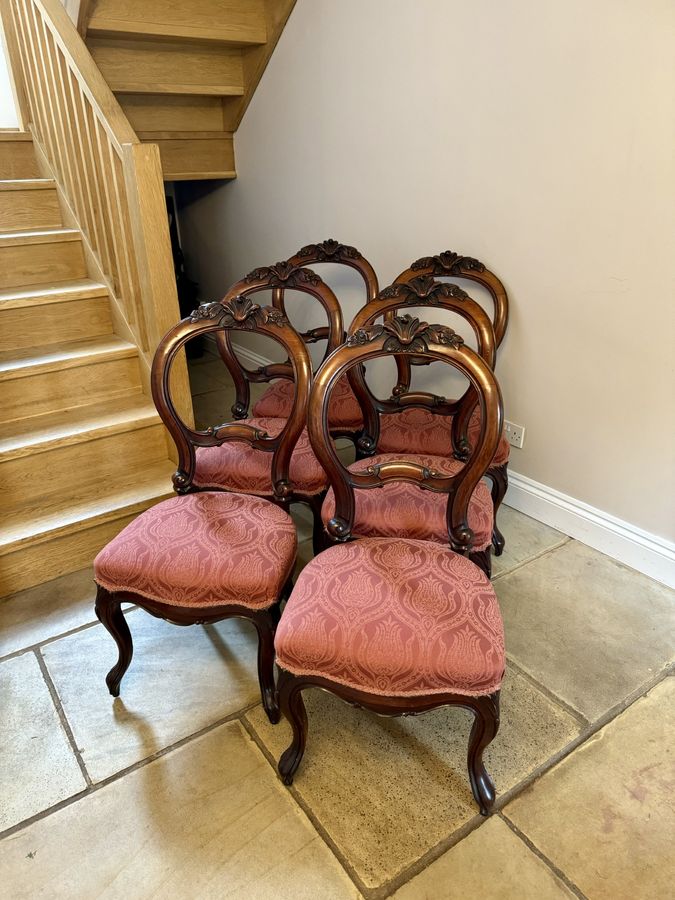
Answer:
(82, 449)
(184, 72)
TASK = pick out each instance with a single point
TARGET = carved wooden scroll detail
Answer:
(448, 263)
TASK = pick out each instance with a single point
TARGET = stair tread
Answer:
(71, 426)
(77, 289)
(17, 360)
(75, 510)
(15, 136)
(26, 184)
(40, 236)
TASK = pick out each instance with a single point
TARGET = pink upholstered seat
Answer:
(404, 510)
(236, 466)
(203, 549)
(394, 617)
(421, 431)
(344, 410)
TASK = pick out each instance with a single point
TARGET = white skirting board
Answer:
(648, 553)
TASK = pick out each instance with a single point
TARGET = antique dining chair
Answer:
(398, 626)
(207, 556)
(345, 413)
(402, 510)
(255, 466)
(426, 430)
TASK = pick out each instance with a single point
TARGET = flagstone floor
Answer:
(171, 789)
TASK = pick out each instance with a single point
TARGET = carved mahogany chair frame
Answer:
(423, 292)
(283, 275)
(446, 264)
(286, 275)
(186, 439)
(237, 313)
(401, 335)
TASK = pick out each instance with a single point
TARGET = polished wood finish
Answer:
(108, 609)
(417, 287)
(400, 335)
(28, 203)
(405, 334)
(485, 711)
(280, 277)
(236, 312)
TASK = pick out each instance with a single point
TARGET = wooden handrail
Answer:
(109, 181)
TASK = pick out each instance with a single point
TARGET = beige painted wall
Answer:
(536, 136)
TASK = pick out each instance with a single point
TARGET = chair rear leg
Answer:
(293, 708)
(499, 476)
(266, 622)
(483, 559)
(109, 613)
(485, 727)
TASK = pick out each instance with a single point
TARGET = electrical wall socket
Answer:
(515, 434)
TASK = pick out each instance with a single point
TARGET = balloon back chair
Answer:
(206, 556)
(398, 626)
(402, 509)
(254, 466)
(417, 430)
(345, 414)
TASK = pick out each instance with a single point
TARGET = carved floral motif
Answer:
(424, 287)
(448, 263)
(283, 274)
(240, 312)
(329, 250)
(406, 334)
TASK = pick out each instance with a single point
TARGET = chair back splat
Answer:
(446, 264)
(277, 278)
(423, 291)
(404, 335)
(235, 312)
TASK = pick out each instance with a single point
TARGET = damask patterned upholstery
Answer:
(398, 509)
(394, 617)
(421, 431)
(344, 411)
(236, 466)
(203, 550)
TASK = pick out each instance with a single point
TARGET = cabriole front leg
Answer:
(293, 709)
(109, 613)
(485, 727)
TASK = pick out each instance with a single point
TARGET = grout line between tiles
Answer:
(542, 856)
(567, 881)
(318, 827)
(65, 724)
(56, 637)
(117, 776)
(531, 559)
(547, 692)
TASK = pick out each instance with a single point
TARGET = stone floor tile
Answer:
(606, 814)
(491, 863)
(180, 680)
(304, 521)
(37, 765)
(388, 790)
(525, 538)
(207, 376)
(208, 820)
(45, 611)
(585, 626)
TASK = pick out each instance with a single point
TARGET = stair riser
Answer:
(45, 476)
(35, 563)
(47, 323)
(156, 68)
(22, 210)
(17, 160)
(53, 390)
(32, 263)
